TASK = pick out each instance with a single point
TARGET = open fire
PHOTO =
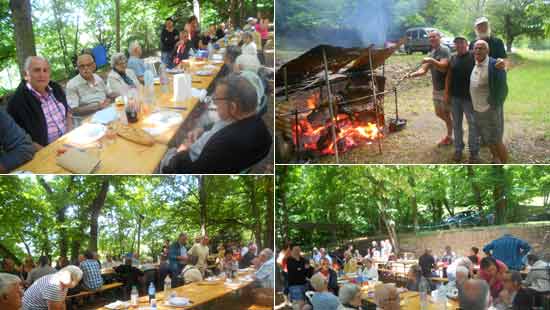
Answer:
(314, 133)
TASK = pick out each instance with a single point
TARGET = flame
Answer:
(349, 133)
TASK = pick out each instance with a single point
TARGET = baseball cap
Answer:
(481, 20)
(460, 37)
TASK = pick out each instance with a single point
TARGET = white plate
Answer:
(175, 71)
(164, 118)
(204, 73)
(118, 305)
(87, 133)
(209, 67)
(177, 301)
(217, 61)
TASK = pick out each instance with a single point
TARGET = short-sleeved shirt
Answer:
(43, 290)
(496, 47)
(137, 64)
(324, 301)
(201, 251)
(479, 86)
(438, 77)
(82, 93)
(498, 285)
(461, 67)
(91, 278)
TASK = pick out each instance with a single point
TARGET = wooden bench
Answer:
(260, 307)
(104, 288)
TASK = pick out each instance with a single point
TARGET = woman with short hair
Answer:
(121, 79)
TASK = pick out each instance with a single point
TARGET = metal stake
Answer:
(330, 108)
(298, 157)
(375, 99)
(286, 82)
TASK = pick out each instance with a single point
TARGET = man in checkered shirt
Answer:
(91, 279)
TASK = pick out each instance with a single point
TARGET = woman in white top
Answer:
(249, 47)
(121, 79)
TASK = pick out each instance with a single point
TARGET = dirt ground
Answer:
(417, 143)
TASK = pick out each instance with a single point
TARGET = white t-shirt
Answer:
(249, 49)
(479, 86)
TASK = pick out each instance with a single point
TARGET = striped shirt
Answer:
(91, 278)
(43, 290)
(54, 113)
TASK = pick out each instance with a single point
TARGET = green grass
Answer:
(529, 88)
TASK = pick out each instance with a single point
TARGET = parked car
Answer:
(466, 218)
(540, 217)
(418, 40)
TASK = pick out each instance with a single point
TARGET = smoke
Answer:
(304, 24)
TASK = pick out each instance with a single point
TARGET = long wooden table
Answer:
(199, 293)
(411, 300)
(120, 156)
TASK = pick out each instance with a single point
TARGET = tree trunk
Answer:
(24, 35)
(117, 25)
(269, 230)
(414, 203)
(475, 189)
(61, 37)
(281, 197)
(251, 183)
(95, 210)
(241, 12)
(197, 9)
(499, 194)
(203, 203)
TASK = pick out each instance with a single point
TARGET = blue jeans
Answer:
(297, 292)
(461, 107)
(165, 58)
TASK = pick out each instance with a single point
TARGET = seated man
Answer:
(43, 269)
(322, 299)
(248, 67)
(246, 259)
(236, 142)
(39, 105)
(49, 292)
(538, 278)
(475, 295)
(370, 272)
(91, 279)
(129, 275)
(264, 272)
(15, 145)
(191, 273)
(86, 92)
(386, 297)
(135, 62)
(513, 296)
(10, 291)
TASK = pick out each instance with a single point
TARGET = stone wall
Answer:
(461, 240)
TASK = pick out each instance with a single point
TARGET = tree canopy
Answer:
(65, 215)
(330, 204)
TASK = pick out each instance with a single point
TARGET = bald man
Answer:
(86, 92)
(39, 105)
(474, 295)
(489, 89)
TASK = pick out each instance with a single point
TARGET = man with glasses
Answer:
(39, 105)
(437, 63)
(86, 92)
(488, 88)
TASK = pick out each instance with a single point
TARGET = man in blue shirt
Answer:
(508, 249)
(177, 257)
(135, 62)
(91, 272)
(15, 145)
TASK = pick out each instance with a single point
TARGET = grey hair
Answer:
(248, 63)
(348, 292)
(475, 298)
(75, 272)
(6, 281)
(133, 45)
(29, 59)
(482, 42)
(436, 32)
(232, 53)
(318, 281)
(116, 58)
(463, 270)
(240, 91)
(248, 35)
(268, 253)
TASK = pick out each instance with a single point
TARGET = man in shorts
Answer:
(488, 88)
(437, 63)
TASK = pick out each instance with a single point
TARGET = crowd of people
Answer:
(470, 83)
(507, 276)
(229, 138)
(41, 286)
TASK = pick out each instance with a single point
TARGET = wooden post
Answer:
(330, 108)
(375, 98)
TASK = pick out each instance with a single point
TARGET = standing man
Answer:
(177, 256)
(508, 249)
(437, 62)
(168, 38)
(483, 32)
(427, 263)
(298, 272)
(39, 105)
(488, 88)
(201, 250)
(457, 93)
(86, 92)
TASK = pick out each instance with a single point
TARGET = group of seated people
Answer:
(230, 135)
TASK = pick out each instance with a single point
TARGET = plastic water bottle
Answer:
(153, 304)
(210, 50)
(163, 78)
(148, 80)
(167, 285)
(423, 288)
(234, 268)
(134, 296)
(152, 292)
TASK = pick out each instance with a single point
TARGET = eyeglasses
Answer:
(216, 100)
